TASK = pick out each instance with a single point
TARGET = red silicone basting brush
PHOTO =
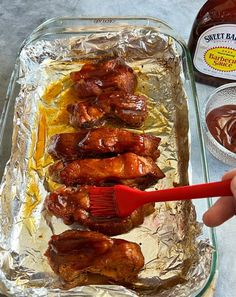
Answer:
(121, 201)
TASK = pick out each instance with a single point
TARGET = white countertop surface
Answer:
(20, 17)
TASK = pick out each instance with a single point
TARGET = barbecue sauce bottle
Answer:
(212, 43)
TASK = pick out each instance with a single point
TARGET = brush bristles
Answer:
(102, 202)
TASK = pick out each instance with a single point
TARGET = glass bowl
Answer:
(224, 95)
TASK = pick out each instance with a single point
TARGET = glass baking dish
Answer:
(75, 27)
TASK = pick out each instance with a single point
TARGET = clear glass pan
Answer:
(72, 27)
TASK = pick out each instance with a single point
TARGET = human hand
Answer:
(225, 207)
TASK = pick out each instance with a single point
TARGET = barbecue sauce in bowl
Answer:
(221, 123)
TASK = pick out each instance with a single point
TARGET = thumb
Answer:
(229, 175)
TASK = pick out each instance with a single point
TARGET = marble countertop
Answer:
(20, 17)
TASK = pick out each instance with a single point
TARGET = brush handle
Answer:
(129, 199)
(213, 189)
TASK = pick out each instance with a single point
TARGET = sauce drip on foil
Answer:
(221, 122)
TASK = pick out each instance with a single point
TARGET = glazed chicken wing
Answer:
(130, 108)
(102, 141)
(78, 256)
(129, 169)
(94, 79)
(72, 205)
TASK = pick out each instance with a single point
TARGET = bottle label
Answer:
(215, 53)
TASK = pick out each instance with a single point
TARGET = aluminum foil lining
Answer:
(177, 263)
